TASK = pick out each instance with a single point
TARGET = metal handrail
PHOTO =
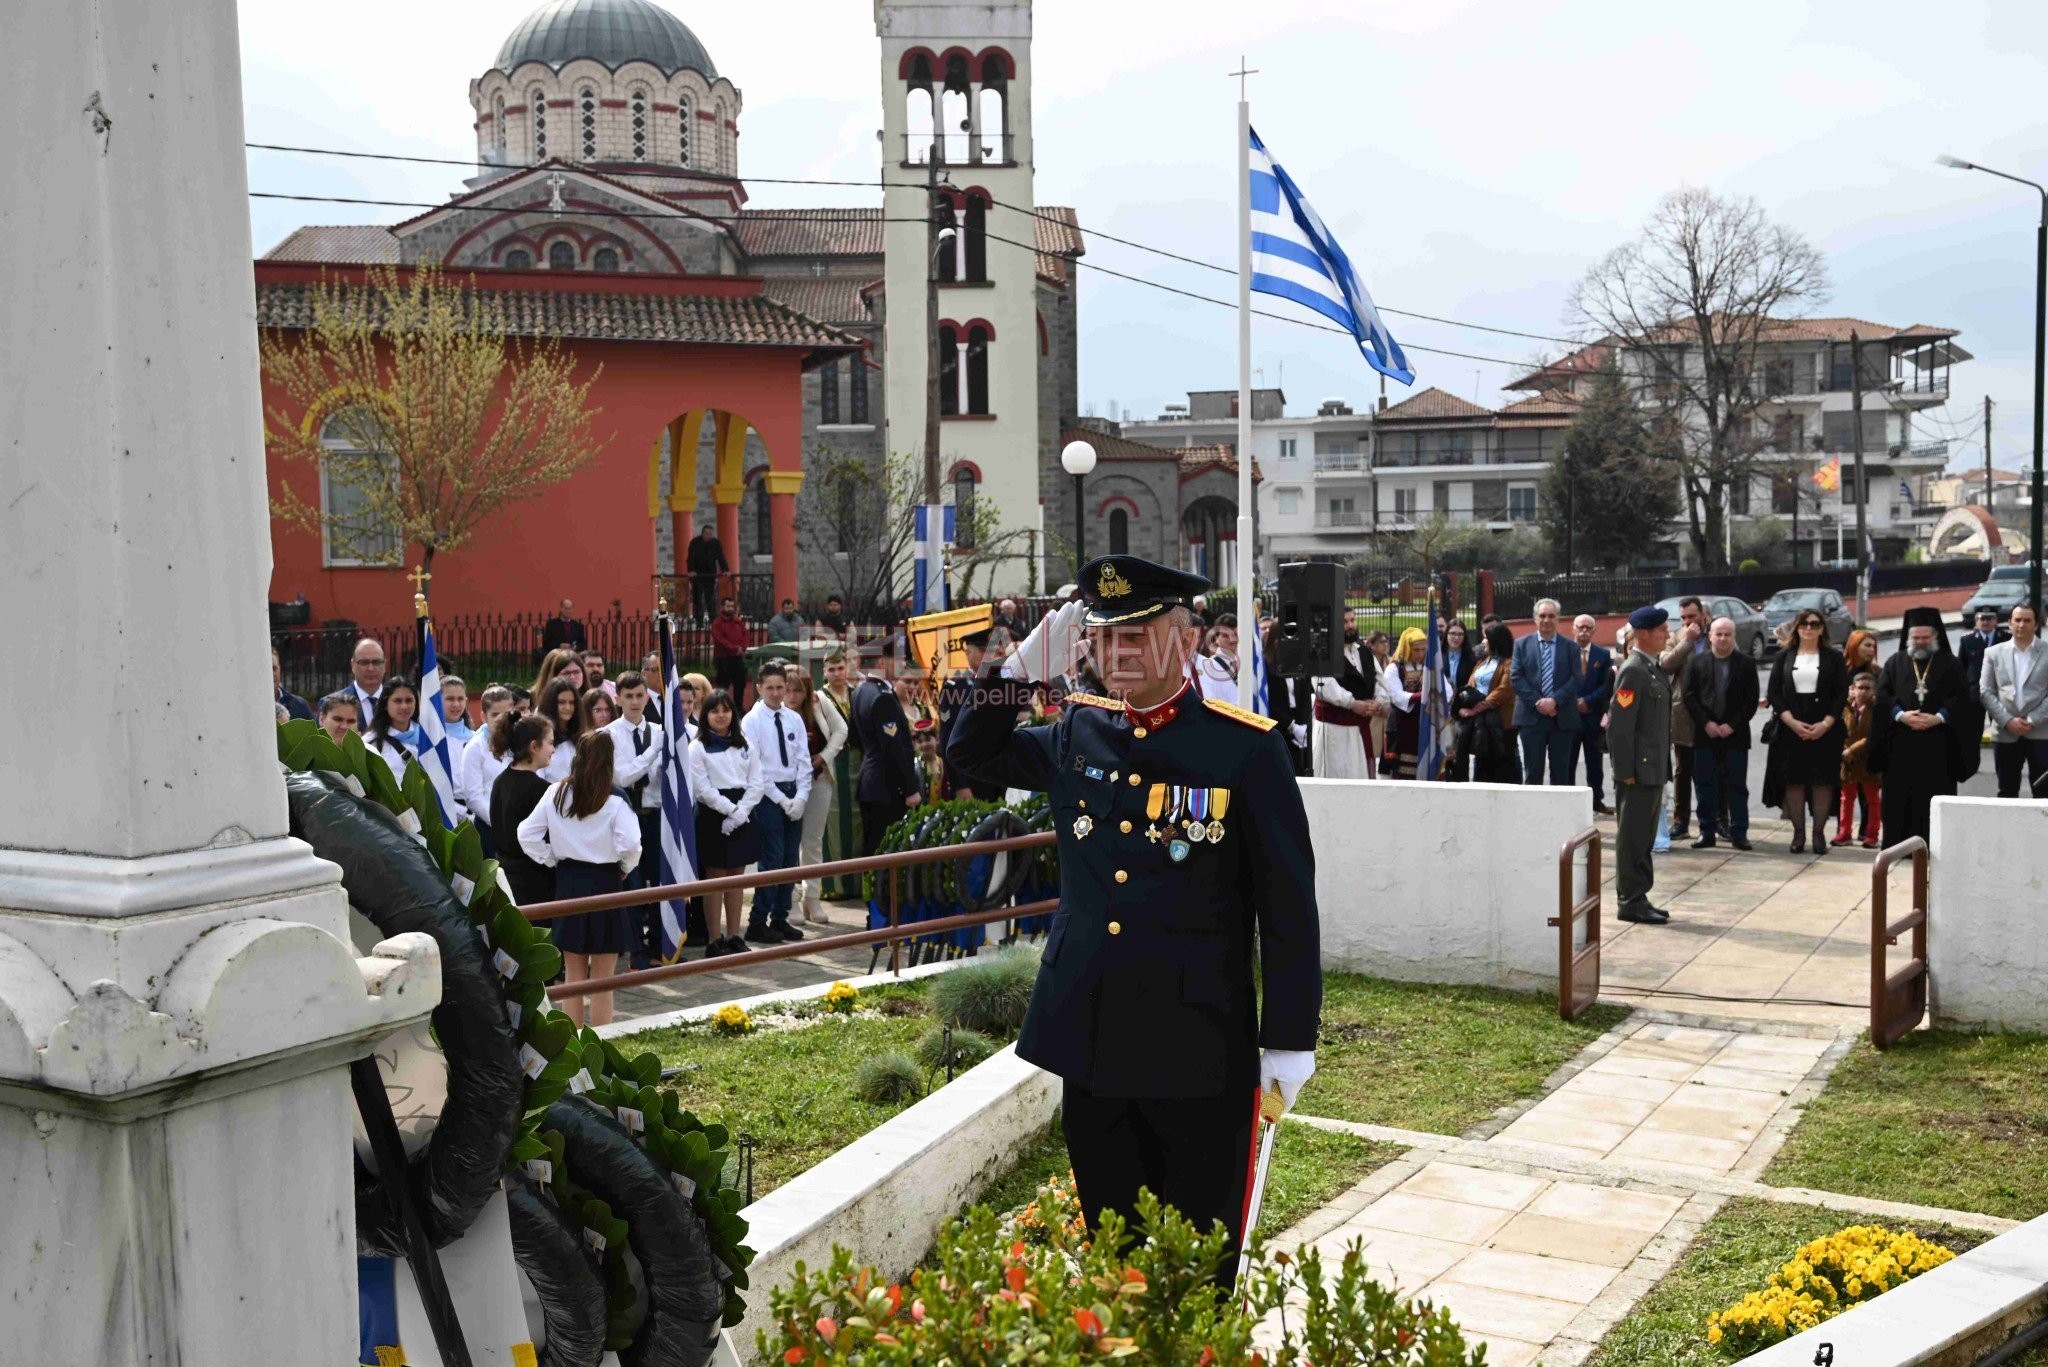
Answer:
(1573, 962)
(1898, 1001)
(894, 934)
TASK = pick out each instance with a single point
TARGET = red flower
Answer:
(1208, 1356)
(895, 1299)
(1015, 1277)
(1017, 1250)
(794, 1355)
(828, 1329)
(917, 1312)
(1087, 1323)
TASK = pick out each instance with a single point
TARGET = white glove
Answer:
(732, 823)
(1299, 732)
(794, 809)
(1048, 651)
(1288, 1067)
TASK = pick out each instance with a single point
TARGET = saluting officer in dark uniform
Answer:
(887, 784)
(1182, 839)
(954, 696)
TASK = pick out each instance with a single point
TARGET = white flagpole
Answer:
(1247, 558)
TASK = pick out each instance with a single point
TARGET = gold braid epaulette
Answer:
(1094, 700)
(1236, 713)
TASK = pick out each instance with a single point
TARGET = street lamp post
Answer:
(2040, 360)
(1077, 458)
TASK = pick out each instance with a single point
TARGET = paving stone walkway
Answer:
(1541, 1228)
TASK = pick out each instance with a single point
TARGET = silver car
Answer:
(1752, 632)
(1786, 604)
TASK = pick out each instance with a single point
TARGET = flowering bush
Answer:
(732, 1020)
(842, 998)
(1822, 1280)
(982, 1299)
(1052, 1218)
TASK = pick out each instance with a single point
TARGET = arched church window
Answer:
(951, 400)
(947, 262)
(1119, 532)
(561, 256)
(537, 107)
(498, 126)
(828, 392)
(979, 339)
(519, 259)
(953, 111)
(856, 390)
(963, 507)
(918, 110)
(974, 240)
(764, 519)
(605, 259)
(685, 117)
(992, 123)
(586, 108)
(636, 110)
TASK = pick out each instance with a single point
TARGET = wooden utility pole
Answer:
(1862, 491)
(931, 318)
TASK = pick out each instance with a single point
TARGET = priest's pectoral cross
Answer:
(1920, 692)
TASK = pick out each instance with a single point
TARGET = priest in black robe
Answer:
(1919, 729)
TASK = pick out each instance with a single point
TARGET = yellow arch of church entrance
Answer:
(685, 434)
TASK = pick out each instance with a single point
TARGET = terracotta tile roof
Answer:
(1552, 408)
(1057, 231)
(337, 243)
(852, 231)
(1586, 358)
(829, 299)
(1191, 459)
(1432, 404)
(1195, 459)
(711, 319)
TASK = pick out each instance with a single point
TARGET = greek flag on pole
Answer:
(678, 806)
(1429, 750)
(1295, 257)
(433, 730)
(931, 534)
(1261, 694)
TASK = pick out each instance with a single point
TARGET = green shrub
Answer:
(1749, 567)
(983, 1299)
(988, 994)
(888, 1079)
(969, 1047)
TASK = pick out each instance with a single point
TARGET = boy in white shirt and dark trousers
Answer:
(776, 735)
(637, 748)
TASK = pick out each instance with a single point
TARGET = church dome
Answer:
(613, 32)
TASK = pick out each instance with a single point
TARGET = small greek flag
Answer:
(1261, 695)
(433, 730)
(678, 852)
(1295, 257)
(931, 534)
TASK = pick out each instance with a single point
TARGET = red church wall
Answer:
(589, 538)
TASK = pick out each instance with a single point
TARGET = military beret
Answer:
(1648, 619)
(1124, 589)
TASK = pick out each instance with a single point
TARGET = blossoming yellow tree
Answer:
(414, 395)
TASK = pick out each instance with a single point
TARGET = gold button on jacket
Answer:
(1116, 928)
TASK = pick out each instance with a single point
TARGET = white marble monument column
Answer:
(178, 998)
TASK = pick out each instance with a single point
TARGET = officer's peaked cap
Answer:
(1121, 590)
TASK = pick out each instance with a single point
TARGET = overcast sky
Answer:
(1473, 156)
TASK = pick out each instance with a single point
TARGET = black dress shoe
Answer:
(1820, 844)
(762, 935)
(784, 931)
(1799, 844)
(1646, 915)
(1705, 842)
(1736, 843)
(1603, 809)
(1680, 832)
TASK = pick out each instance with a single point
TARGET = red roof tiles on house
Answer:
(1432, 404)
(338, 244)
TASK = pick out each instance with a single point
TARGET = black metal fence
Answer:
(1515, 597)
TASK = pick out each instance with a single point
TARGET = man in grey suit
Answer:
(2014, 690)
(1639, 749)
(1545, 672)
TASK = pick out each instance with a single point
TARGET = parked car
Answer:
(1786, 604)
(1752, 632)
(2000, 594)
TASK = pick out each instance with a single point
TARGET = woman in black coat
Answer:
(1808, 690)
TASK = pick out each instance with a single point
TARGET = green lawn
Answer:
(1943, 1118)
(1734, 1254)
(1435, 1058)
(792, 1089)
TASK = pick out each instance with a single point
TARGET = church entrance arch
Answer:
(714, 441)
(1208, 529)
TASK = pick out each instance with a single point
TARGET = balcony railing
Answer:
(1339, 520)
(959, 149)
(1341, 463)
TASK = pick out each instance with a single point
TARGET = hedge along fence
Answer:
(642, 1165)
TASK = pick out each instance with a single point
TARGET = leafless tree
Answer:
(1692, 306)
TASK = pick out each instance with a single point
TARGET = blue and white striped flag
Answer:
(1261, 695)
(678, 805)
(931, 533)
(433, 730)
(1435, 714)
(1295, 257)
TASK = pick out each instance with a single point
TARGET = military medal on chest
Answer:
(1082, 825)
(1197, 824)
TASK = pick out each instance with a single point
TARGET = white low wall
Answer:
(1442, 882)
(1949, 1317)
(885, 1196)
(1987, 902)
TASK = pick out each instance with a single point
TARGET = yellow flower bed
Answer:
(843, 998)
(1823, 1279)
(732, 1020)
